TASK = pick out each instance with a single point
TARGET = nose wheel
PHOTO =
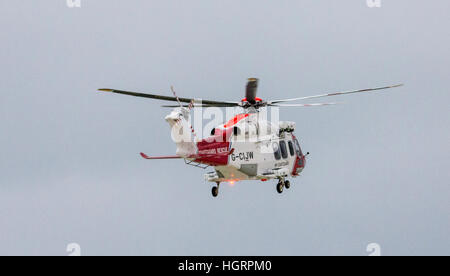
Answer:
(215, 190)
(287, 184)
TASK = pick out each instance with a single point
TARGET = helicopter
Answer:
(246, 147)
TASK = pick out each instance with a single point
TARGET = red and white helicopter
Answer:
(244, 148)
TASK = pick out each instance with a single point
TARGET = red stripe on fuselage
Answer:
(214, 150)
(213, 153)
(236, 119)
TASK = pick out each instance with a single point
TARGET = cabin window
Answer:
(291, 148)
(276, 151)
(283, 148)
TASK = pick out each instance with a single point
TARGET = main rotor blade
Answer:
(202, 105)
(167, 98)
(302, 105)
(335, 94)
(251, 89)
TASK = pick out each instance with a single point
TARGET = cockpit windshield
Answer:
(297, 147)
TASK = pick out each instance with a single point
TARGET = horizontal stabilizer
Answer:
(195, 156)
(160, 157)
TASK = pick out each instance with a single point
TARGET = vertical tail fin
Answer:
(182, 132)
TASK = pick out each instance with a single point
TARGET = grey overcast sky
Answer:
(69, 165)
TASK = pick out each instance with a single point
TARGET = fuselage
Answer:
(262, 160)
(254, 154)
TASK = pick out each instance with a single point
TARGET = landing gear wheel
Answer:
(215, 191)
(280, 187)
(287, 184)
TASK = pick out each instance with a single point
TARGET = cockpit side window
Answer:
(291, 148)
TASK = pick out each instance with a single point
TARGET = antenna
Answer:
(175, 95)
(191, 105)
